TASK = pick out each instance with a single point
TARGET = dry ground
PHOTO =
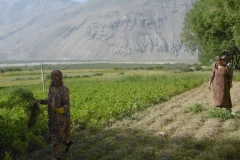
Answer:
(162, 132)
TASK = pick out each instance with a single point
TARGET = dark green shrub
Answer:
(150, 68)
(65, 77)
(97, 74)
(20, 97)
(78, 76)
(186, 69)
(159, 67)
(12, 69)
(197, 67)
(121, 73)
(135, 68)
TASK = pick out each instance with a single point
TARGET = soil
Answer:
(159, 132)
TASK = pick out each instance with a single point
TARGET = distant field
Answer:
(12, 63)
(33, 77)
(25, 75)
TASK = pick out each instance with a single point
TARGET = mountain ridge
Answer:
(100, 30)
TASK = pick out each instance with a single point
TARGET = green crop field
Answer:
(97, 96)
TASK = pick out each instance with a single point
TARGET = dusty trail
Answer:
(157, 132)
(173, 110)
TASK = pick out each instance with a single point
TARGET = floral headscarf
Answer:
(56, 78)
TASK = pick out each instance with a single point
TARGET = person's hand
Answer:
(37, 100)
(209, 87)
(59, 110)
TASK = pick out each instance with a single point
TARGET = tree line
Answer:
(212, 28)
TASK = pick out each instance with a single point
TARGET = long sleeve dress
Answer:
(58, 124)
(221, 79)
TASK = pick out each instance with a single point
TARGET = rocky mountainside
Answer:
(12, 11)
(94, 30)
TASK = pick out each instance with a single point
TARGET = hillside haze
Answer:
(118, 30)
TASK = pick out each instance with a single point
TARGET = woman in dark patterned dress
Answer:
(222, 81)
(58, 113)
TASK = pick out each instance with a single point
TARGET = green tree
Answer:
(212, 27)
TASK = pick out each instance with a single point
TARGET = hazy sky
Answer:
(81, 0)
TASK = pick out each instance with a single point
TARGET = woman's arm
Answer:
(65, 108)
(211, 79)
(66, 99)
(229, 76)
(41, 101)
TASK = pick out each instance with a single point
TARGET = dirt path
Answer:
(159, 133)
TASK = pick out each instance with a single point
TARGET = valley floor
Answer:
(162, 132)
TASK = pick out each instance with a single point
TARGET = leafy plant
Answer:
(12, 69)
(7, 156)
(186, 69)
(20, 146)
(198, 67)
(196, 108)
(121, 73)
(35, 142)
(219, 113)
(23, 98)
(97, 74)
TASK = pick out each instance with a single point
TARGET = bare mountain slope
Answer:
(12, 11)
(100, 30)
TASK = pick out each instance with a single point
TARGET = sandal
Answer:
(68, 146)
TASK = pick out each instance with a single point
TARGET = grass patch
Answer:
(223, 114)
(196, 108)
(219, 113)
